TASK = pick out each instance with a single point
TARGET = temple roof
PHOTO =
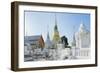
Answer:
(33, 38)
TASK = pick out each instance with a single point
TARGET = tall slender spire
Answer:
(74, 40)
(56, 36)
(55, 28)
(48, 32)
(48, 43)
(55, 19)
(48, 35)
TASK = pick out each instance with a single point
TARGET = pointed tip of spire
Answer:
(55, 22)
(55, 19)
(81, 26)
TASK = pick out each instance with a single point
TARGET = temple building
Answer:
(35, 41)
(56, 36)
(82, 37)
(81, 43)
(48, 43)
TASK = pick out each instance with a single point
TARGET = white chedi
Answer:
(82, 37)
(81, 47)
(48, 43)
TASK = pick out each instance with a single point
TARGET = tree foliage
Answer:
(64, 40)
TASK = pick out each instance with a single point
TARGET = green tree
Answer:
(64, 40)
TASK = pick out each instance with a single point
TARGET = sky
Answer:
(39, 23)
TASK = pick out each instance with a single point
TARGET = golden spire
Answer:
(56, 36)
